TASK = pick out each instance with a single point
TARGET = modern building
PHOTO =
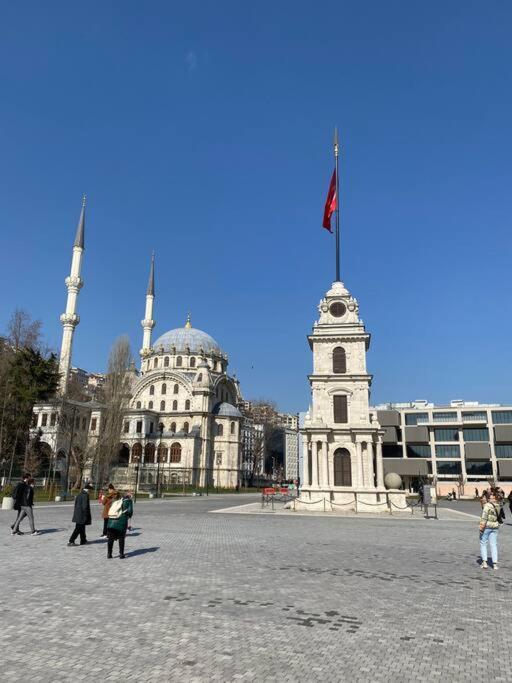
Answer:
(463, 443)
(291, 453)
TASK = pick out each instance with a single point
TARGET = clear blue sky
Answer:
(203, 130)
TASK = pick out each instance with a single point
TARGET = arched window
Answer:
(155, 363)
(162, 405)
(340, 407)
(342, 468)
(166, 362)
(150, 405)
(162, 453)
(192, 362)
(136, 452)
(149, 453)
(179, 362)
(233, 427)
(175, 405)
(123, 454)
(339, 361)
(185, 427)
(138, 405)
(220, 430)
(176, 389)
(151, 390)
(187, 404)
(164, 388)
(200, 377)
(175, 452)
(173, 427)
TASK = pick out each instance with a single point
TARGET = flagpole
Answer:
(336, 148)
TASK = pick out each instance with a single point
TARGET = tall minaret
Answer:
(148, 323)
(70, 318)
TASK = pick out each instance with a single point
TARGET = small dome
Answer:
(185, 338)
(226, 410)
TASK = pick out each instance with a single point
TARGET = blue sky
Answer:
(203, 131)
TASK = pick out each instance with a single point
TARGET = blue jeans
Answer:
(491, 536)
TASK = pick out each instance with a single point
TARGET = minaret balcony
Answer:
(70, 319)
(75, 283)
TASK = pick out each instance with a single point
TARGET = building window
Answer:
(444, 417)
(155, 363)
(175, 405)
(342, 468)
(186, 427)
(220, 430)
(151, 425)
(340, 409)
(150, 405)
(416, 418)
(449, 467)
(176, 452)
(446, 434)
(179, 362)
(233, 427)
(162, 405)
(84, 423)
(476, 434)
(53, 419)
(339, 361)
(391, 450)
(173, 427)
(187, 404)
(503, 450)
(448, 451)
(176, 389)
(478, 467)
(152, 390)
(478, 416)
(200, 377)
(139, 427)
(149, 453)
(192, 362)
(138, 405)
(418, 451)
(502, 416)
(164, 388)
(166, 362)
(77, 422)
(136, 452)
(162, 453)
(126, 427)
(94, 422)
(44, 420)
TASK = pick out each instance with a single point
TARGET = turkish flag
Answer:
(331, 203)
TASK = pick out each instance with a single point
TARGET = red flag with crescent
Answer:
(331, 203)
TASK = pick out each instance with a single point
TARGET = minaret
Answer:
(148, 323)
(70, 318)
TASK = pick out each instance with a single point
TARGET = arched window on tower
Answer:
(339, 361)
(187, 404)
(162, 405)
(340, 408)
(166, 362)
(179, 362)
(150, 405)
(233, 427)
(138, 405)
(200, 377)
(185, 427)
(152, 390)
(173, 427)
(220, 430)
(192, 362)
(175, 405)
(164, 389)
(342, 467)
(155, 363)
(176, 389)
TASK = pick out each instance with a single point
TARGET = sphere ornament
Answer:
(393, 481)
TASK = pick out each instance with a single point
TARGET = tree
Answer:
(115, 395)
(23, 332)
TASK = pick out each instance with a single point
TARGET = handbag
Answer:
(116, 509)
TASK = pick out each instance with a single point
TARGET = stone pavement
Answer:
(231, 597)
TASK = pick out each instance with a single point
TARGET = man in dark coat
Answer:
(81, 516)
(23, 496)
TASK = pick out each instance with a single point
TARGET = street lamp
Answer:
(158, 455)
(137, 468)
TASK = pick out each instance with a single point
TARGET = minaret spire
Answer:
(70, 318)
(148, 323)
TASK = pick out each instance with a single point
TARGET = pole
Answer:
(69, 452)
(336, 149)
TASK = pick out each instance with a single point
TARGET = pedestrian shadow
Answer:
(50, 531)
(142, 551)
(131, 534)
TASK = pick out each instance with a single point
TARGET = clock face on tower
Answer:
(337, 309)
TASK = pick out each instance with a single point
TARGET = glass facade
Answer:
(446, 434)
(444, 417)
(418, 451)
(448, 451)
(476, 434)
(503, 450)
(416, 418)
(502, 416)
(449, 467)
(478, 467)
(391, 450)
(479, 415)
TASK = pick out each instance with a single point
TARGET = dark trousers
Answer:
(105, 525)
(115, 535)
(78, 530)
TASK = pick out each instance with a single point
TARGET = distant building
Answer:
(88, 382)
(291, 453)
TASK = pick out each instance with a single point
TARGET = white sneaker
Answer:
(495, 566)
(484, 565)
(35, 533)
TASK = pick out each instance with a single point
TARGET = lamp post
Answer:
(158, 454)
(137, 468)
(68, 459)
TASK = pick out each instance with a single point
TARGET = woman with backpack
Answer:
(489, 525)
(121, 509)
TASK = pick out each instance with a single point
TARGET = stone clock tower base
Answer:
(342, 440)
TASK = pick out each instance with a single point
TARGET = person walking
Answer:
(120, 512)
(81, 516)
(509, 497)
(489, 525)
(107, 500)
(23, 496)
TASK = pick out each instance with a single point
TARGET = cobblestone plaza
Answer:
(254, 597)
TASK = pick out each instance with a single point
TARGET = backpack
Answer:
(116, 509)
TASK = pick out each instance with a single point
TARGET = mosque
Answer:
(181, 423)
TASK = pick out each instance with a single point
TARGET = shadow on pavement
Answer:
(142, 551)
(50, 531)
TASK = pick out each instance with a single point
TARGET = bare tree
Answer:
(116, 393)
(23, 332)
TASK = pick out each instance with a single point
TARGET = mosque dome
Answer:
(183, 338)
(226, 410)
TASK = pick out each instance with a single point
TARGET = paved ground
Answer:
(227, 597)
